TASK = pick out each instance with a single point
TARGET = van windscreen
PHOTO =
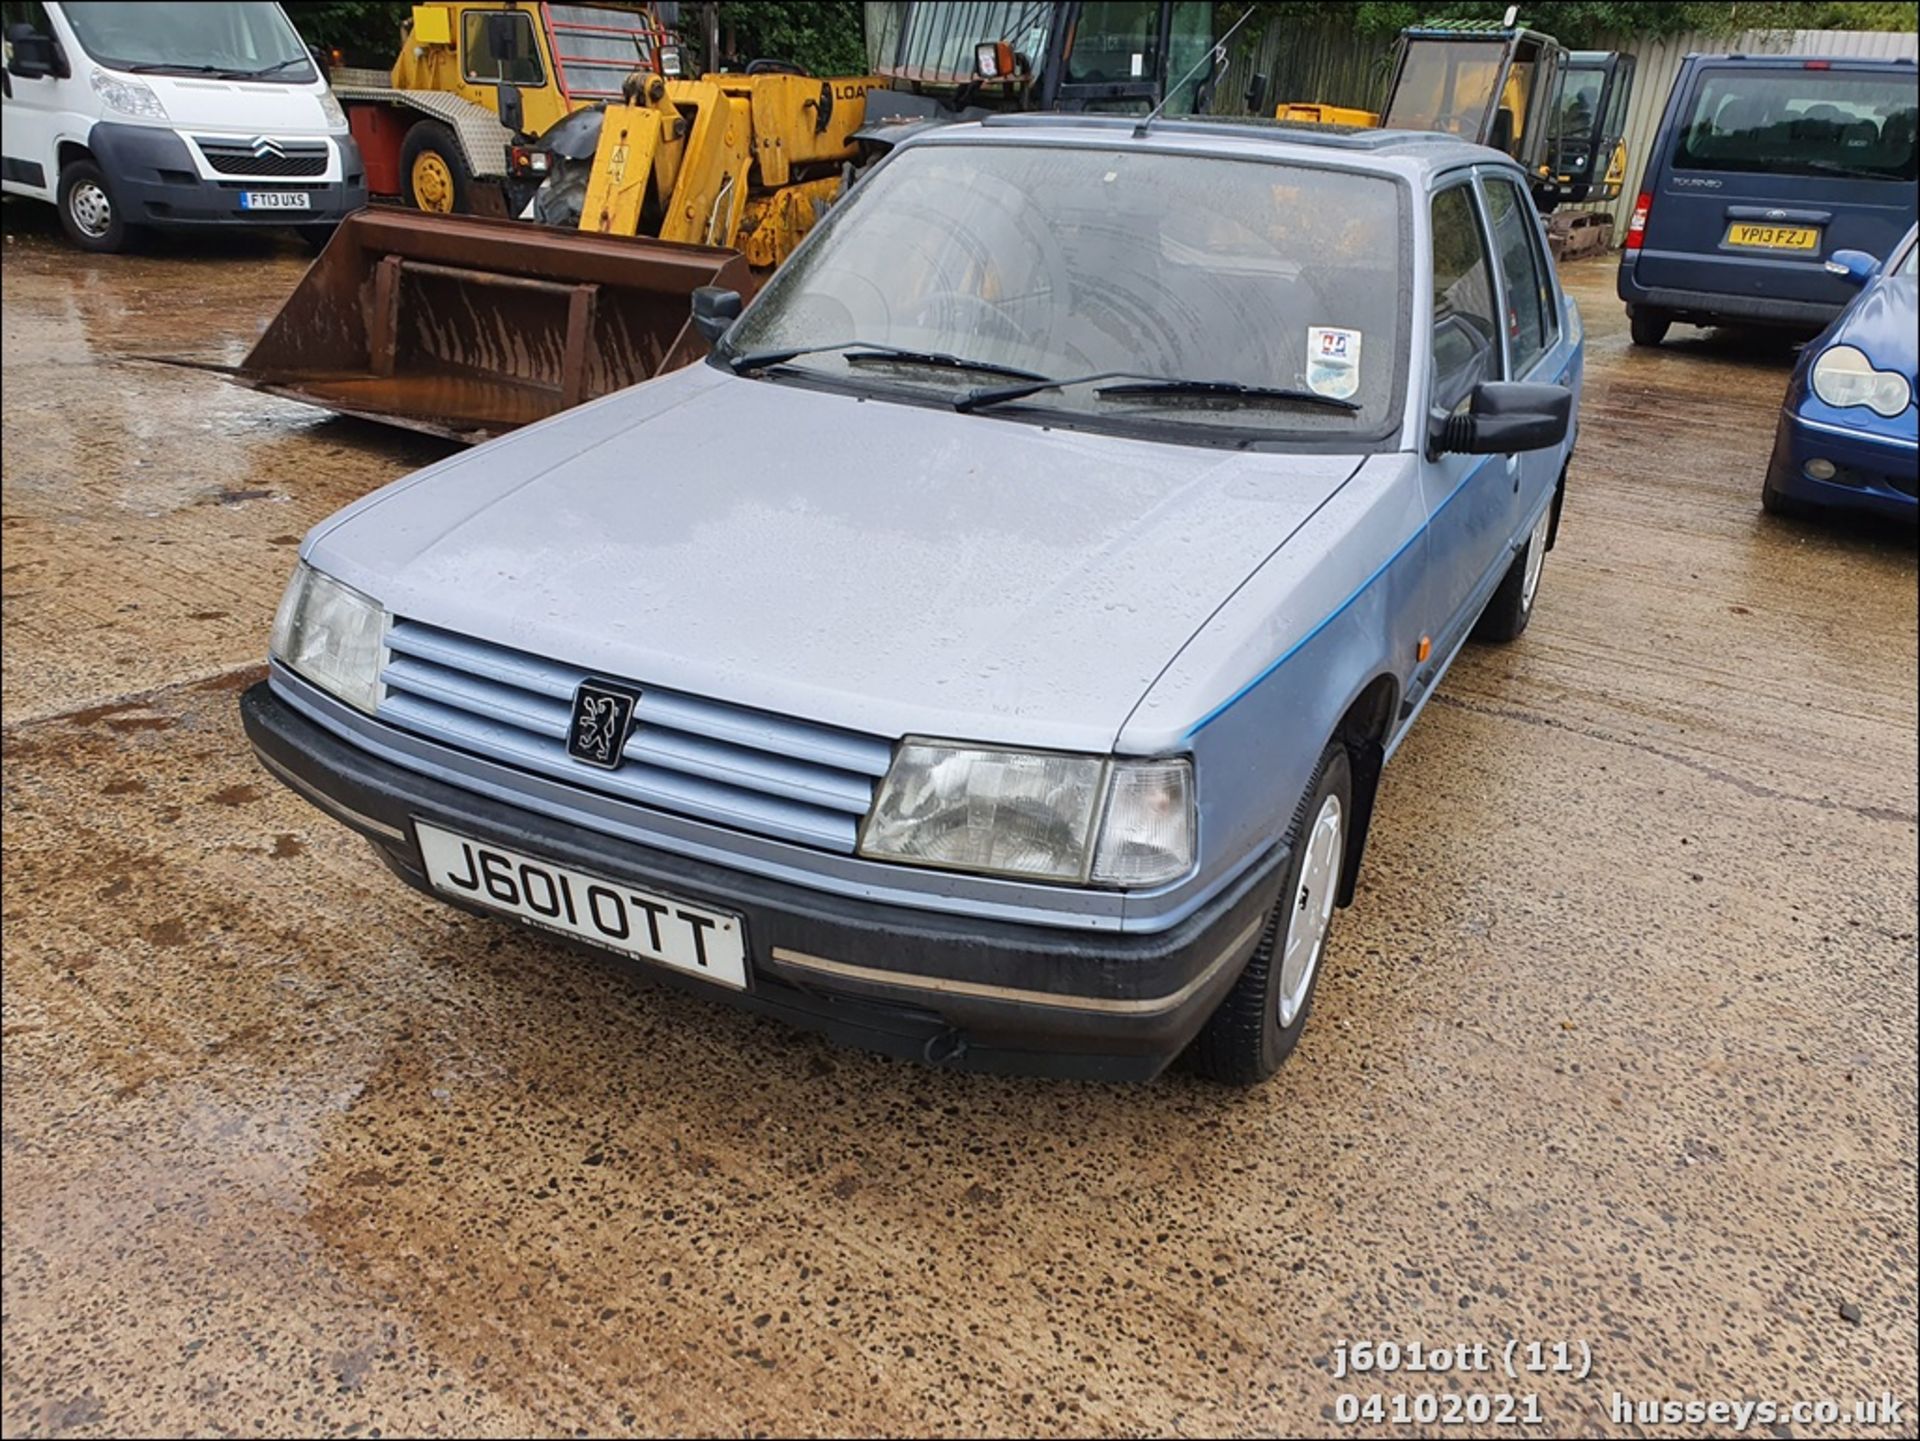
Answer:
(1802, 122)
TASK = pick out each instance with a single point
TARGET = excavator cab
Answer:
(1589, 150)
(1121, 56)
(1491, 84)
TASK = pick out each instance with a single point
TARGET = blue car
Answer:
(990, 654)
(1847, 434)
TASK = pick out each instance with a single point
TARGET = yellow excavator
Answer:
(466, 326)
(1562, 115)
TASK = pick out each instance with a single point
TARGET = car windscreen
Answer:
(245, 40)
(1063, 261)
(1802, 122)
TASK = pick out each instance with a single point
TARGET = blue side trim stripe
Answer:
(1213, 715)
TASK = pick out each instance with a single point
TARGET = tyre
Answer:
(1259, 1022)
(315, 237)
(89, 214)
(1649, 327)
(433, 171)
(1507, 614)
(1775, 502)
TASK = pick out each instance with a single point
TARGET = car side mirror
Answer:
(714, 309)
(33, 56)
(1503, 417)
(506, 102)
(1856, 267)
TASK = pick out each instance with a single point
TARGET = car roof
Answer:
(1801, 62)
(1412, 154)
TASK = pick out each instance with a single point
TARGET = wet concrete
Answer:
(1617, 1047)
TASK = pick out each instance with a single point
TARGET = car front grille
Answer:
(770, 775)
(237, 157)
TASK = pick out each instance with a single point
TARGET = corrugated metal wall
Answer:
(1326, 61)
(1659, 63)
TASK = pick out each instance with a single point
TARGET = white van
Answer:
(132, 115)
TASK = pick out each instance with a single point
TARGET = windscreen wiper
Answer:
(1836, 167)
(1223, 389)
(167, 67)
(273, 69)
(1147, 386)
(867, 352)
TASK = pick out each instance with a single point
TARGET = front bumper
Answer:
(975, 994)
(155, 182)
(1878, 477)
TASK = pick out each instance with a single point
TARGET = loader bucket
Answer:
(466, 327)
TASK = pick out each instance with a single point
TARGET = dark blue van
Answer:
(1763, 166)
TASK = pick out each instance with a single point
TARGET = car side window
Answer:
(1466, 340)
(1530, 322)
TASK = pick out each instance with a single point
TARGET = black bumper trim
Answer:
(1708, 306)
(978, 994)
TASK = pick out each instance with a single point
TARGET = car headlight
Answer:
(129, 97)
(1843, 376)
(331, 109)
(333, 636)
(1033, 815)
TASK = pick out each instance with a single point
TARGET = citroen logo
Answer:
(265, 145)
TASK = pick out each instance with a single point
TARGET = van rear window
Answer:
(1802, 122)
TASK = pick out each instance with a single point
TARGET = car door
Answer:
(1470, 498)
(1531, 307)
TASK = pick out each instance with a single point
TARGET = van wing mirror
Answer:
(1504, 417)
(714, 309)
(1854, 266)
(504, 33)
(30, 54)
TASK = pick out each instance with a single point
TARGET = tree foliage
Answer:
(824, 36)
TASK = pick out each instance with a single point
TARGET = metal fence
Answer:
(1324, 60)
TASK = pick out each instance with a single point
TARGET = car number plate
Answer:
(640, 923)
(1774, 237)
(274, 200)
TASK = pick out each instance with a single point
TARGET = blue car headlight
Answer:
(1843, 377)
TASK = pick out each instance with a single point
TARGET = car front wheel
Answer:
(1260, 1021)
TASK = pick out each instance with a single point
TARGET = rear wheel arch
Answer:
(1363, 732)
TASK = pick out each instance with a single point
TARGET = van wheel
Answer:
(433, 171)
(1260, 1021)
(1511, 608)
(1648, 327)
(88, 212)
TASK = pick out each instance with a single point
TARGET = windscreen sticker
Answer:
(1333, 361)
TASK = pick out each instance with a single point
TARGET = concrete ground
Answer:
(1617, 1049)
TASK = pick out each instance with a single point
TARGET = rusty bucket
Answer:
(466, 327)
